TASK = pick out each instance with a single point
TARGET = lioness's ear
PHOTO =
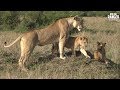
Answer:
(82, 20)
(71, 15)
(76, 17)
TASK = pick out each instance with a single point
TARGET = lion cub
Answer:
(73, 43)
(100, 53)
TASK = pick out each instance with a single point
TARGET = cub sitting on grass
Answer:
(73, 43)
(100, 53)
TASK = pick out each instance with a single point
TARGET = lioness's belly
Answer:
(48, 36)
(48, 39)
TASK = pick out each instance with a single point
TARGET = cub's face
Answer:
(83, 41)
(100, 45)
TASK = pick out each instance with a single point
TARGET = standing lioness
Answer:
(73, 43)
(56, 32)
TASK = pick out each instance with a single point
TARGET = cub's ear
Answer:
(104, 43)
(80, 38)
(98, 43)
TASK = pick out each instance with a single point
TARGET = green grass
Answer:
(42, 66)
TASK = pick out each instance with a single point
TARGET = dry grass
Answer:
(42, 66)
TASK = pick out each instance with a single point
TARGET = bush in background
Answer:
(25, 20)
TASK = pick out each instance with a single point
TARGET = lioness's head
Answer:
(100, 45)
(78, 23)
(83, 41)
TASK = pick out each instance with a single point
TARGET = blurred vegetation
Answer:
(25, 20)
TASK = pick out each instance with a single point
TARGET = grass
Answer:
(42, 66)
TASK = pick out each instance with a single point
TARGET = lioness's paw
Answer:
(24, 69)
(62, 57)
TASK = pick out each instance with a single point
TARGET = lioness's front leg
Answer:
(61, 49)
(62, 40)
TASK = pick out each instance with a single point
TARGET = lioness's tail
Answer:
(13, 42)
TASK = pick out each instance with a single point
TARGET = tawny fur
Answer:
(73, 43)
(56, 32)
(100, 53)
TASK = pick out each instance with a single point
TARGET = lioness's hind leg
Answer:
(26, 50)
(21, 64)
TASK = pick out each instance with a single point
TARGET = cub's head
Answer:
(78, 22)
(83, 41)
(100, 45)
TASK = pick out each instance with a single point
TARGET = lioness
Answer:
(56, 32)
(100, 53)
(73, 43)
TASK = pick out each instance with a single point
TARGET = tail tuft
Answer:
(5, 43)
